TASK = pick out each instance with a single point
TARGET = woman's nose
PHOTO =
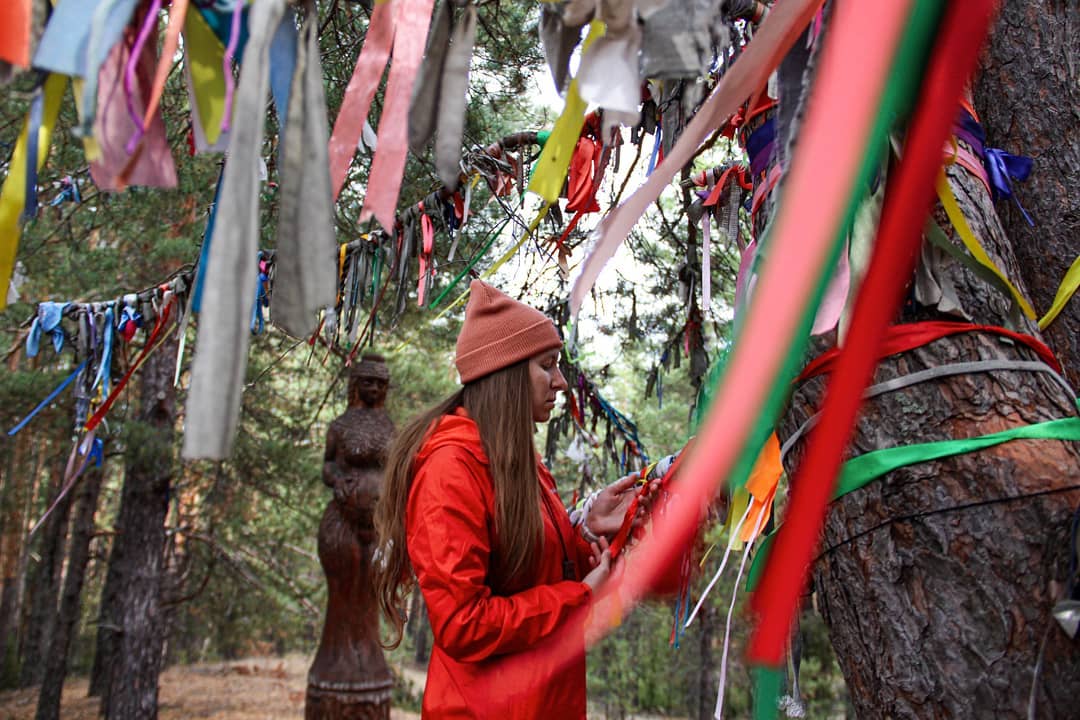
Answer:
(558, 381)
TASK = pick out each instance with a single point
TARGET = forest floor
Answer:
(266, 688)
(251, 689)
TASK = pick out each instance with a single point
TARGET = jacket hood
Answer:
(456, 430)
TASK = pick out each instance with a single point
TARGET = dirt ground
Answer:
(252, 689)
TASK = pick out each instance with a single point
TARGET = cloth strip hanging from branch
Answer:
(305, 280)
(411, 20)
(213, 408)
(13, 194)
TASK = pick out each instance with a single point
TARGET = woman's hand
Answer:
(601, 564)
(608, 510)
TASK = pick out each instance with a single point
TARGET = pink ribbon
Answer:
(349, 126)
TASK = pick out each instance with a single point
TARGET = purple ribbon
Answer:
(1001, 166)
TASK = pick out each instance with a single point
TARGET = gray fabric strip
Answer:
(453, 99)
(305, 269)
(217, 382)
(962, 368)
(424, 106)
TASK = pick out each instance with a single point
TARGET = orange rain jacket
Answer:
(490, 657)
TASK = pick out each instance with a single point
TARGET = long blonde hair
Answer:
(500, 405)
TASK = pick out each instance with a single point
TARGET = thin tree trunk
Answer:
(705, 700)
(44, 581)
(140, 544)
(107, 643)
(11, 550)
(82, 531)
(1028, 97)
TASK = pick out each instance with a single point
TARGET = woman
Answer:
(470, 508)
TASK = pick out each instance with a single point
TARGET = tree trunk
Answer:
(11, 552)
(1033, 108)
(44, 581)
(140, 544)
(82, 531)
(937, 580)
(704, 701)
(107, 643)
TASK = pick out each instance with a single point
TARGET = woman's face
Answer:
(546, 381)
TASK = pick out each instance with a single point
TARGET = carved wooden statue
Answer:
(349, 679)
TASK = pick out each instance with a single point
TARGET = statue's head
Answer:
(368, 381)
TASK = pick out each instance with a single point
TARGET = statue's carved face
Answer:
(369, 391)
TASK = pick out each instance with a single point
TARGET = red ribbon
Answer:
(901, 338)
(427, 232)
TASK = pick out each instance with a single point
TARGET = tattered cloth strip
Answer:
(424, 105)
(453, 99)
(15, 32)
(177, 13)
(203, 56)
(411, 20)
(305, 275)
(114, 125)
(83, 40)
(13, 194)
(217, 382)
(910, 192)
(549, 174)
(349, 126)
(748, 74)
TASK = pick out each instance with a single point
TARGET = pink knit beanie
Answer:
(498, 332)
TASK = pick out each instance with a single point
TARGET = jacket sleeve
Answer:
(449, 542)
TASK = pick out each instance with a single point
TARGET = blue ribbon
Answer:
(261, 300)
(282, 64)
(49, 315)
(204, 253)
(1001, 166)
(655, 151)
(49, 398)
(104, 369)
(97, 453)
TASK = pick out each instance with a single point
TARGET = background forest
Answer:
(240, 573)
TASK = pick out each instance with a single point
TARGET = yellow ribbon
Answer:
(963, 230)
(205, 55)
(1065, 292)
(13, 194)
(549, 175)
(90, 144)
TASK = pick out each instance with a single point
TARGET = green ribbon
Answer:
(767, 684)
(469, 266)
(861, 471)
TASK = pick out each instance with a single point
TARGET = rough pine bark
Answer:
(140, 541)
(43, 582)
(1028, 97)
(56, 661)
